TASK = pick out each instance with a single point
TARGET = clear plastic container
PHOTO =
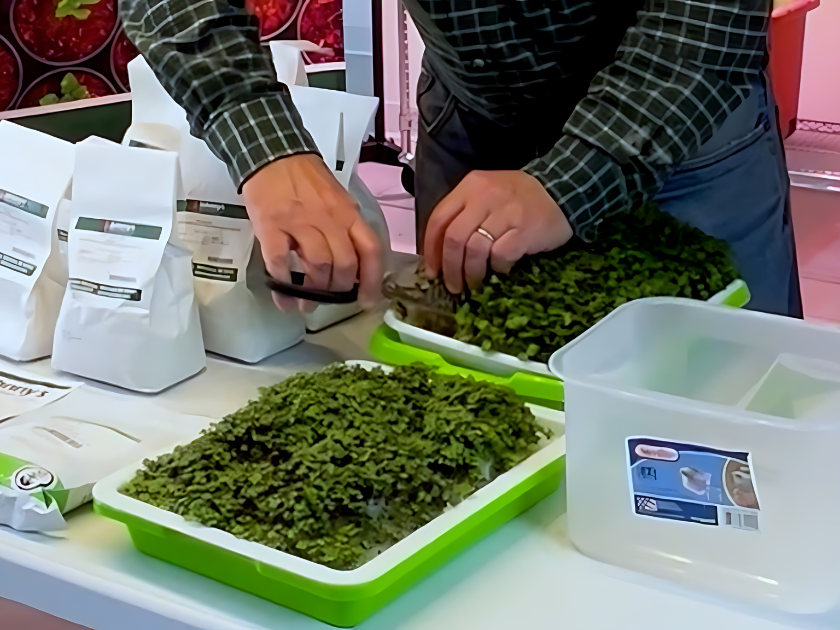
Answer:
(702, 444)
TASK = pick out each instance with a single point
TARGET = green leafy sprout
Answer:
(337, 466)
(71, 90)
(73, 8)
(550, 299)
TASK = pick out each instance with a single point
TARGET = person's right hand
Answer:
(297, 204)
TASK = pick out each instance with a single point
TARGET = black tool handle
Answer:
(297, 290)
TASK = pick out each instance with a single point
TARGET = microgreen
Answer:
(337, 466)
(549, 299)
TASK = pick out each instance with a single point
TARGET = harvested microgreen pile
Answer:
(337, 466)
(550, 299)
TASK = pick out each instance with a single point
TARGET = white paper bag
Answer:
(238, 316)
(129, 315)
(288, 60)
(22, 391)
(35, 171)
(325, 114)
(51, 458)
(339, 123)
(57, 265)
(328, 314)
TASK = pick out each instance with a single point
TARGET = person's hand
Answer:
(296, 204)
(515, 214)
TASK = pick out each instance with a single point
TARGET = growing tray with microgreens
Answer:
(513, 323)
(332, 492)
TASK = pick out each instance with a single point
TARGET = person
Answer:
(540, 119)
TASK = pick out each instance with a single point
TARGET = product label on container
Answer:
(220, 236)
(25, 235)
(692, 483)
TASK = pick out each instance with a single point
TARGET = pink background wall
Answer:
(820, 96)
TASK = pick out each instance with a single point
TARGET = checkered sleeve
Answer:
(680, 70)
(207, 55)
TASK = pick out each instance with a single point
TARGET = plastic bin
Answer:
(786, 45)
(701, 444)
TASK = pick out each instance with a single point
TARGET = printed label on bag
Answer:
(692, 483)
(220, 236)
(24, 234)
(21, 391)
(114, 259)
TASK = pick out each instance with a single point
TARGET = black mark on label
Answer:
(211, 272)
(104, 290)
(15, 264)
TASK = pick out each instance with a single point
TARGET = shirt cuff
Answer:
(251, 135)
(586, 184)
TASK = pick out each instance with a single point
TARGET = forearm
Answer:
(207, 55)
(680, 71)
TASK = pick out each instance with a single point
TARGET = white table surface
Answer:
(526, 575)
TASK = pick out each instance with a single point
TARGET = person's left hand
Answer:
(512, 207)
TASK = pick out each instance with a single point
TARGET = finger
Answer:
(479, 246)
(307, 306)
(314, 253)
(476, 258)
(285, 303)
(345, 262)
(460, 231)
(275, 246)
(370, 263)
(507, 251)
(442, 217)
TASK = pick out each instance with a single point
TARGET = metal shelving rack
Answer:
(365, 75)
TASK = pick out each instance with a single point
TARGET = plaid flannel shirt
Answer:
(681, 67)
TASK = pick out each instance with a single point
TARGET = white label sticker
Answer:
(114, 260)
(25, 237)
(221, 238)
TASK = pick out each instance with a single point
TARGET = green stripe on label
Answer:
(22, 203)
(229, 210)
(151, 232)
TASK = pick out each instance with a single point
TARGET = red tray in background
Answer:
(97, 52)
(787, 44)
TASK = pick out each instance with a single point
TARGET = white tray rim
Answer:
(492, 361)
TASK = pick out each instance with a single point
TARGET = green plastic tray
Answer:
(386, 346)
(339, 598)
